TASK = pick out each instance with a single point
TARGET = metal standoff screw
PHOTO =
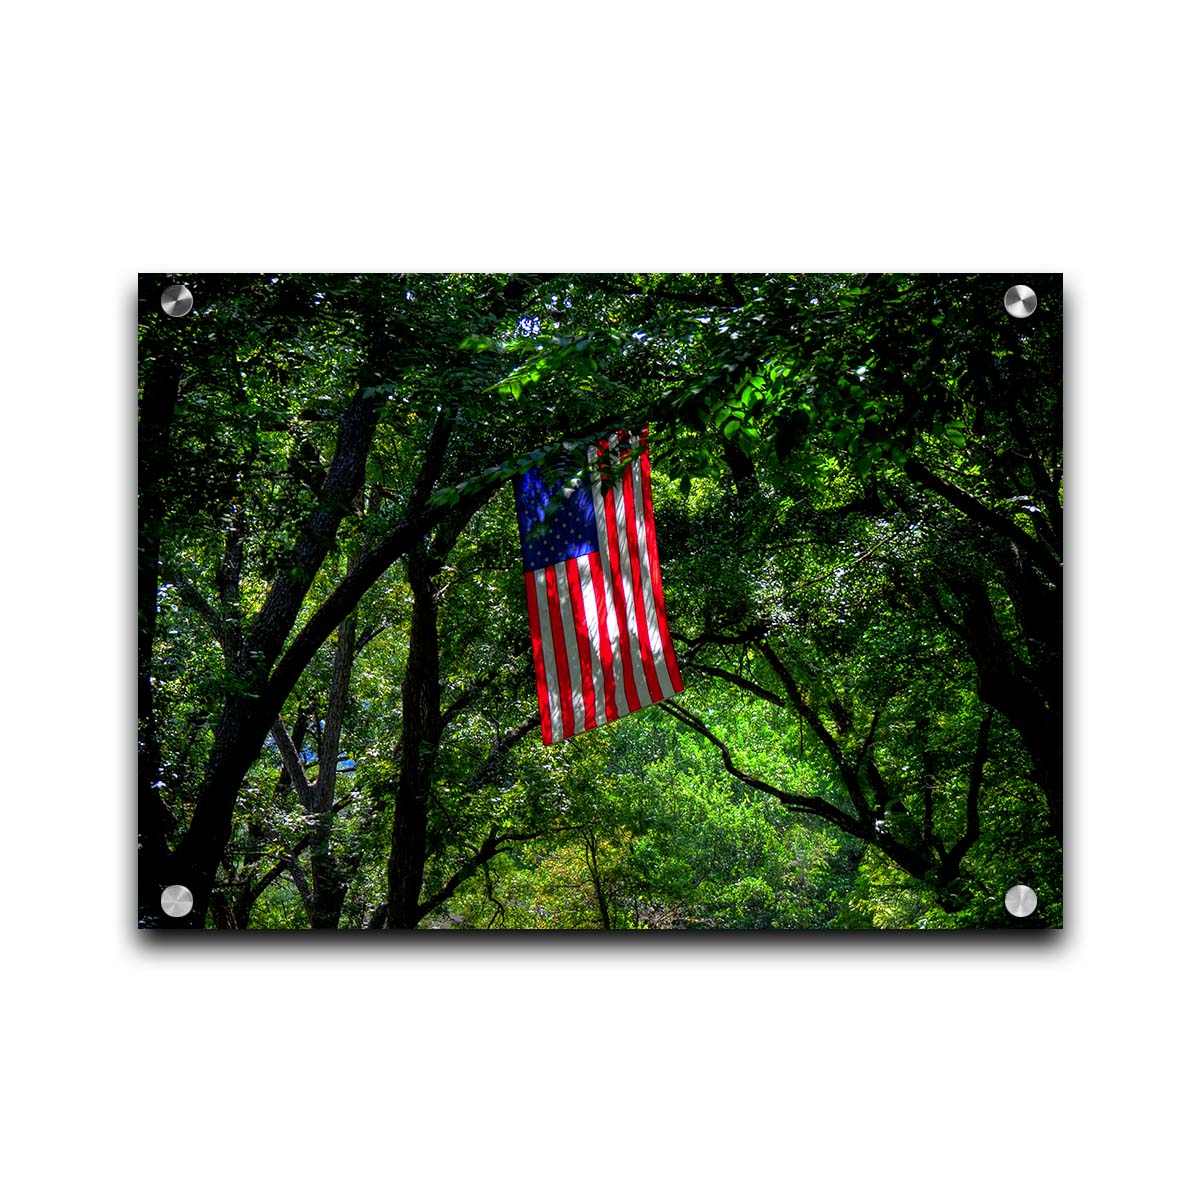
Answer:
(177, 300)
(1019, 900)
(177, 900)
(1020, 300)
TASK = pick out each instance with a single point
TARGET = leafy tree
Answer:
(933, 425)
(859, 493)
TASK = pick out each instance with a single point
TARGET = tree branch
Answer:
(866, 746)
(815, 806)
(356, 430)
(745, 638)
(492, 845)
(954, 858)
(747, 685)
(368, 636)
(195, 599)
(467, 696)
(969, 506)
(292, 764)
(403, 537)
(255, 888)
(487, 851)
(502, 746)
(335, 712)
(295, 868)
(845, 767)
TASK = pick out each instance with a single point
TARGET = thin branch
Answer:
(251, 892)
(368, 636)
(884, 803)
(431, 464)
(335, 712)
(803, 583)
(195, 599)
(498, 915)
(502, 746)
(488, 850)
(866, 746)
(954, 858)
(815, 806)
(292, 764)
(468, 696)
(747, 685)
(492, 845)
(746, 637)
(845, 767)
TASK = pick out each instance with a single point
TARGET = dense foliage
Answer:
(858, 485)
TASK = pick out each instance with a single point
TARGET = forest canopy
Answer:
(858, 486)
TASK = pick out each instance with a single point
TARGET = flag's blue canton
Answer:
(571, 532)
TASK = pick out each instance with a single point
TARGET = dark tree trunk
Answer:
(329, 891)
(421, 700)
(331, 879)
(1005, 684)
(416, 751)
(591, 850)
(328, 886)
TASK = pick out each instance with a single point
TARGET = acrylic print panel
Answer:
(836, 500)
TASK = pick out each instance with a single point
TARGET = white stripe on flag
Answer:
(635, 651)
(652, 630)
(571, 642)
(556, 724)
(593, 625)
(610, 605)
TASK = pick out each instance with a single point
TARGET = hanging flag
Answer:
(601, 648)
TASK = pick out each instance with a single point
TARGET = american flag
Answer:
(601, 648)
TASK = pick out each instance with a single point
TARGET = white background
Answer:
(545, 136)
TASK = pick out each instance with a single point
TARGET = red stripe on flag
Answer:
(584, 643)
(560, 655)
(606, 660)
(614, 561)
(639, 601)
(539, 665)
(656, 574)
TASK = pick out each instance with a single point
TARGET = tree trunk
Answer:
(1005, 685)
(591, 854)
(330, 879)
(417, 749)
